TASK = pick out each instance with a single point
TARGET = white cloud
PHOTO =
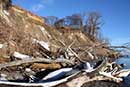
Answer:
(41, 5)
(37, 7)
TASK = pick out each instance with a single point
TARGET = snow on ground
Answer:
(7, 13)
(21, 56)
(57, 72)
(43, 44)
(88, 67)
(1, 46)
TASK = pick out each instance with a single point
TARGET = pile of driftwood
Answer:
(48, 71)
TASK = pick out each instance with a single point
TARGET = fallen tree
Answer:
(16, 63)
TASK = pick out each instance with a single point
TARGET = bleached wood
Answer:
(19, 62)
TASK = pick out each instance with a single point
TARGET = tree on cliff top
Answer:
(5, 4)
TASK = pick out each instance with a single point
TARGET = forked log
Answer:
(69, 48)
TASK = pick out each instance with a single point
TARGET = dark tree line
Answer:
(88, 23)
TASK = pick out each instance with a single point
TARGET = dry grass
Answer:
(23, 30)
(16, 40)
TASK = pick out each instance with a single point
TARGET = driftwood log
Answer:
(19, 62)
(45, 66)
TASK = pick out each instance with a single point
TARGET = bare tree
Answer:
(93, 23)
(60, 23)
(74, 21)
(50, 20)
(104, 40)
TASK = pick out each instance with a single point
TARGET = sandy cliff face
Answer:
(19, 27)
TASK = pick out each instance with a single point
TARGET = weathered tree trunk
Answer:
(16, 63)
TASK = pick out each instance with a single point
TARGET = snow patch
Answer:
(1, 46)
(21, 56)
(3, 77)
(28, 70)
(7, 13)
(43, 44)
(56, 73)
(88, 67)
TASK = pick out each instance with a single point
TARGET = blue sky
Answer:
(115, 13)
